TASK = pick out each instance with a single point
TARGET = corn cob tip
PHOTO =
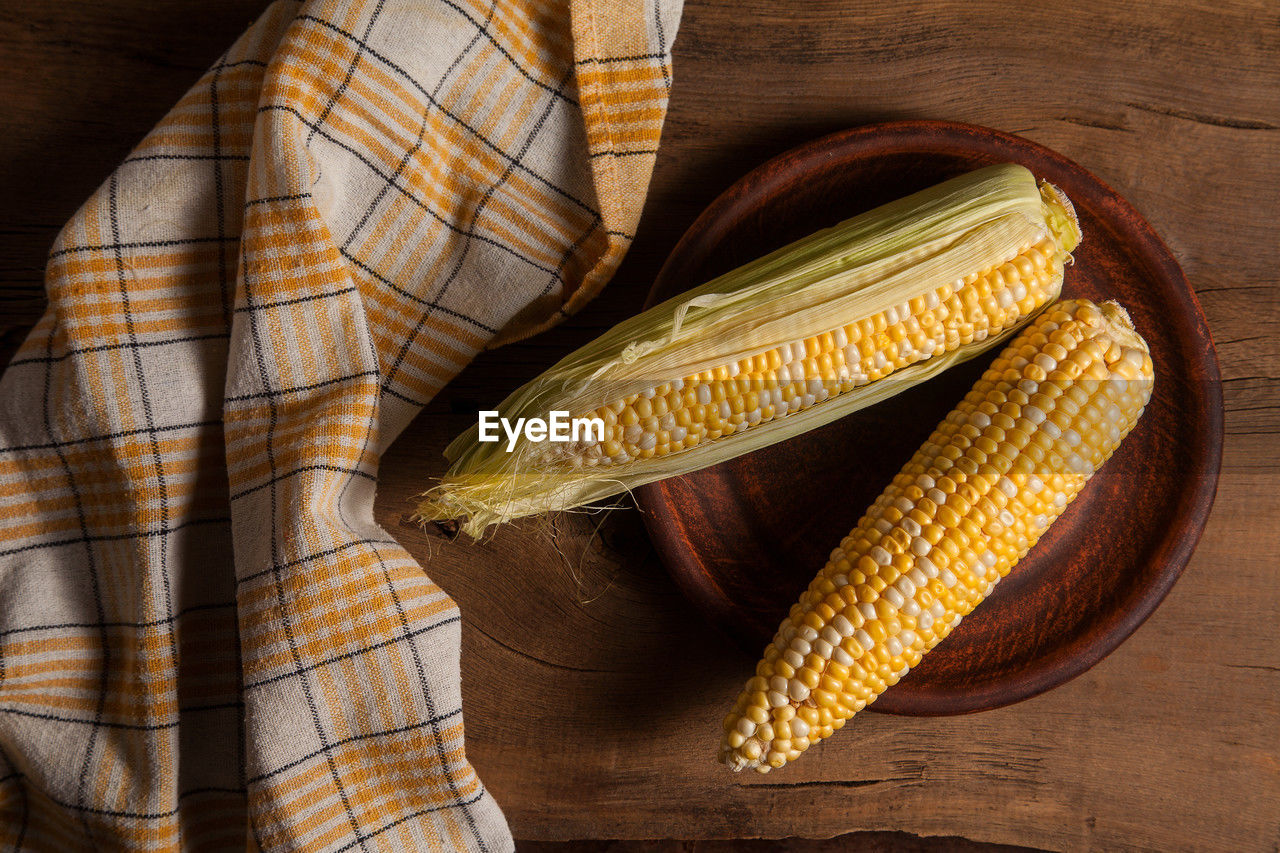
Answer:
(1116, 313)
(1119, 325)
(1061, 216)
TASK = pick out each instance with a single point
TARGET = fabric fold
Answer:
(206, 640)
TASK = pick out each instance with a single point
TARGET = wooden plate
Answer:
(742, 539)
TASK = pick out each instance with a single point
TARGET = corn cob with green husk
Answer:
(973, 500)
(779, 346)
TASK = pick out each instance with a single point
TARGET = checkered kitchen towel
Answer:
(205, 640)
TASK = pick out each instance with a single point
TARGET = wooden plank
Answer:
(593, 692)
(864, 842)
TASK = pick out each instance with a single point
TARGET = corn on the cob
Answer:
(972, 501)
(781, 345)
(792, 377)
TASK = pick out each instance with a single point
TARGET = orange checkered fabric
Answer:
(206, 642)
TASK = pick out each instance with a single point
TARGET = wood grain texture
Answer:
(593, 691)
(864, 842)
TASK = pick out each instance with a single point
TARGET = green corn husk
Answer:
(853, 270)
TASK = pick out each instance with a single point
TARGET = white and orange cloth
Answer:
(206, 642)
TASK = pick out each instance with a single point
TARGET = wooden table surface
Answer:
(593, 693)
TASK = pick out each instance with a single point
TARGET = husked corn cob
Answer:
(972, 501)
(784, 344)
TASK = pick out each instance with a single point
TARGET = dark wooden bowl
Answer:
(743, 538)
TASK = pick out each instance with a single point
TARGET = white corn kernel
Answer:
(925, 565)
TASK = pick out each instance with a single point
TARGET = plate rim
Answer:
(1085, 650)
